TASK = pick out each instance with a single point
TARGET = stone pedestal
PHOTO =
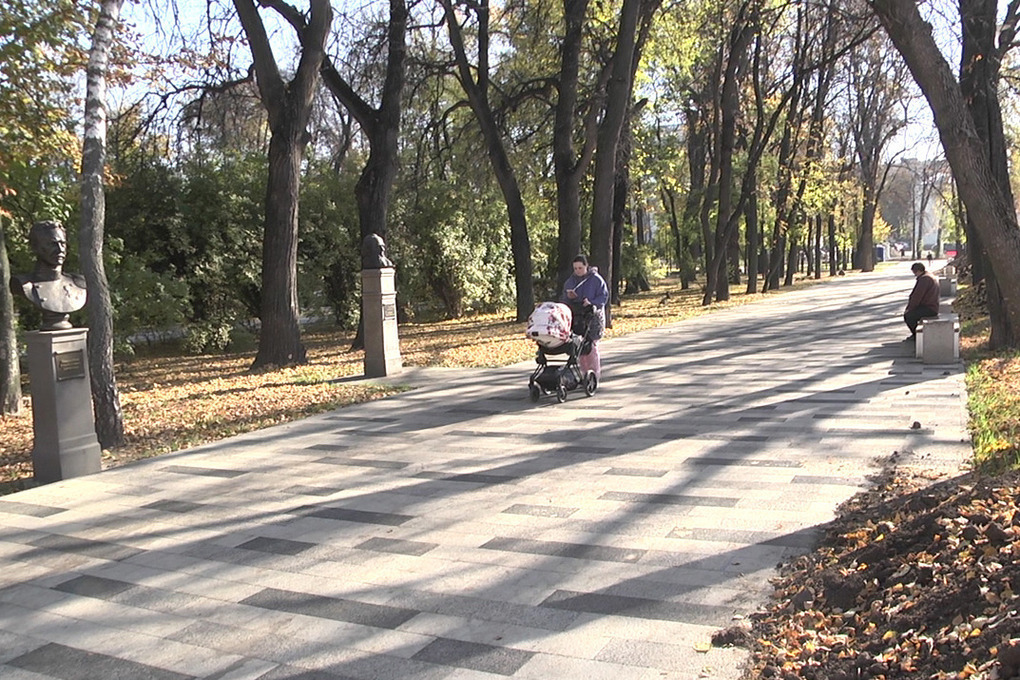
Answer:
(65, 433)
(938, 340)
(379, 311)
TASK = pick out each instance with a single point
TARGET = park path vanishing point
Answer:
(460, 531)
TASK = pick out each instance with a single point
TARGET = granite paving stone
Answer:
(330, 608)
(658, 655)
(396, 546)
(358, 665)
(13, 645)
(244, 669)
(30, 509)
(545, 666)
(473, 655)
(69, 663)
(291, 673)
(483, 609)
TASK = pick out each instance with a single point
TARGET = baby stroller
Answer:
(562, 334)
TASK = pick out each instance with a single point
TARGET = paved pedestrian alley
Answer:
(459, 531)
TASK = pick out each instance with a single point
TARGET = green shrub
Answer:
(206, 337)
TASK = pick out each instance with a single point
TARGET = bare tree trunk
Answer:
(992, 212)
(105, 397)
(280, 336)
(10, 367)
(979, 80)
(791, 261)
(620, 191)
(764, 126)
(753, 235)
(375, 186)
(786, 163)
(618, 96)
(833, 254)
(866, 241)
(697, 154)
(877, 84)
(569, 167)
(289, 107)
(736, 63)
(667, 196)
(818, 247)
(733, 258)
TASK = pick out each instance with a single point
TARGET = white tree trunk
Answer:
(105, 397)
(10, 368)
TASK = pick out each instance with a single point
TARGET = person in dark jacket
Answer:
(586, 287)
(923, 302)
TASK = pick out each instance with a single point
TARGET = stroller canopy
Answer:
(550, 324)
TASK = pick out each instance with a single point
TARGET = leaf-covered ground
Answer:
(914, 580)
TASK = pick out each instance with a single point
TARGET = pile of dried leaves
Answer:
(913, 580)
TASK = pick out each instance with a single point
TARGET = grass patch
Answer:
(993, 387)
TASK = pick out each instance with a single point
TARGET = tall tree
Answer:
(984, 48)
(783, 193)
(635, 16)
(569, 165)
(476, 87)
(823, 68)
(39, 54)
(761, 133)
(877, 81)
(105, 397)
(741, 36)
(289, 106)
(992, 213)
(380, 124)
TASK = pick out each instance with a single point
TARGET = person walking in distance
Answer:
(923, 302)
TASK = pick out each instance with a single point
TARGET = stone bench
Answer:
(938, 340)
(947, 286)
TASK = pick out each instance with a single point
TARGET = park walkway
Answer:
(458, 531)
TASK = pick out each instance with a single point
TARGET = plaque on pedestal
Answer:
(65, 436)
(379, 311)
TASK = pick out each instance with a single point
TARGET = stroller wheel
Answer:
(534, 392)
(591, 383)
(561, 393)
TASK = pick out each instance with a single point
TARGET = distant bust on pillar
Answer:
(379, 309)
(57, 294)
(373, 253)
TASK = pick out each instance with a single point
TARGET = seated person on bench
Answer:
(924, 299)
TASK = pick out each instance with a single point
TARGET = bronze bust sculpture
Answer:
(57, 294)
(373, 253)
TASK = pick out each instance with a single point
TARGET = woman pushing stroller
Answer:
(586, 288)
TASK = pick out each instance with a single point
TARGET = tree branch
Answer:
(1007, 33)
(268, 77)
